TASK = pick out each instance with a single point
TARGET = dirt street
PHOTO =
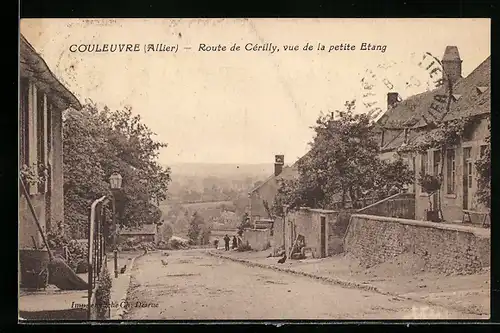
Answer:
(193, 285)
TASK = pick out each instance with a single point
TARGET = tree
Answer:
(166, 231)
(245, 223)
(97, 142)
(195, 227)
(205, 235)
(343, 161)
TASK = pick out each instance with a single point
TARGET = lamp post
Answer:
(116, 183)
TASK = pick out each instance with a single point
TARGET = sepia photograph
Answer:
(254, 169)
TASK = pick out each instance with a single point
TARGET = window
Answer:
(468, 166)
(450, 171)
(40, 124)
(40, 133)
(24, 121)
(423, 165)
(436, 162)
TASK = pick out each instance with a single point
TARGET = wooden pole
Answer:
(30, 205)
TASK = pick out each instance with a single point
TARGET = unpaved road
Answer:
(196, 286)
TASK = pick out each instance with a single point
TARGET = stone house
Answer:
(266, 192)
(42, 100)
(408, 122)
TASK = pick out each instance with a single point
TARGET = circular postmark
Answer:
(393, 82)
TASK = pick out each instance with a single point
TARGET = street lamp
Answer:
(116, 184)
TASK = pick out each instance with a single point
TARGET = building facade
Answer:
(411, 120)
(267, 191)
(42, 99)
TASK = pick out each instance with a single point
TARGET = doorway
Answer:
(467, 178)
(323, 237)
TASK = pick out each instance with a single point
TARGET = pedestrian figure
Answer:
(235, 242)
(226, 242)
(216, 243)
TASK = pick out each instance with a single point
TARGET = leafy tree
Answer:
(97, 142)
(343, 161)
(167, 231)
(205, 235)
(195, 228)
(245, 223)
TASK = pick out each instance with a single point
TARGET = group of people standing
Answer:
(227, 240)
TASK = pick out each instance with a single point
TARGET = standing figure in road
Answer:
(235, 242)
(216, 243)
(226, 242)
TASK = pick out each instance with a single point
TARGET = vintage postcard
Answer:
(254, 169)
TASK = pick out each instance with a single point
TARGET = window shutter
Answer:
(32, 132)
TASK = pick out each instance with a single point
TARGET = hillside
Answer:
(221, 170)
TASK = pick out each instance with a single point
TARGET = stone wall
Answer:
(443, 247)
(258, 239)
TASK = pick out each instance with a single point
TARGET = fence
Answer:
(96, 251)
(349, 204)
(401, 205)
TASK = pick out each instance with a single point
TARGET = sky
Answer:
(246, 106)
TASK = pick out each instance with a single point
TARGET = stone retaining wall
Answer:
(445, 248)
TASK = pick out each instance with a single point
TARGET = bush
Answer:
(163, 246)
(78, 255)
(244, 247)
(340, 226)
(176, 244)
(77, 252)
(429, 183)
(103, 295)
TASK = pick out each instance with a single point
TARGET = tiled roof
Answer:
(400, 139)
(466, 99)
(32, 64)
(288, 172)
(475, 93)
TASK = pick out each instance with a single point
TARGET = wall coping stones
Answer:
(481, 232)
(318, 210)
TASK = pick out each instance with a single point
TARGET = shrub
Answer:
(78, 255)
(342, 222)
(103, 295)
(244, 247)
(164, 246)
(429, 183)
(77, 252)
(177, 244)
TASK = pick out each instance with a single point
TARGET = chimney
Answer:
(392, 99)
(452, 65)
(279, 160)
